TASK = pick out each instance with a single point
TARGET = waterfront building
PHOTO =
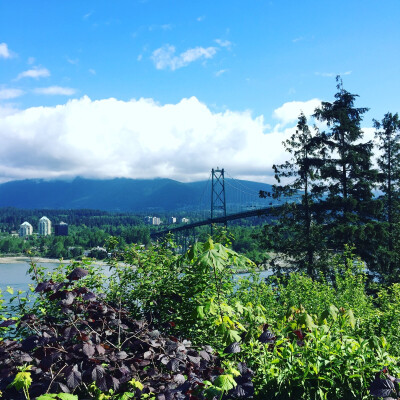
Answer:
(172, 220)
(44, 227)
(25, 229)
(185, 220)
(61, 229)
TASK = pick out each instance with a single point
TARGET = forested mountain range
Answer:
(122, 194)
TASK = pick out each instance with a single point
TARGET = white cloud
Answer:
(55, 90)
(289, 112)
(137, 139)
(165, 57)
(223, 43)
(201, 18)
(74, 61)
(31, 60)
(35, 73)
(140, 57)
(4, 51)
(332, 74)
(92, 71)
(220, 72)
(6, 94)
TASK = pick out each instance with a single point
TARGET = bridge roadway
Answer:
(219, 220)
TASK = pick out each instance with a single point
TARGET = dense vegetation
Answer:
(294, 337)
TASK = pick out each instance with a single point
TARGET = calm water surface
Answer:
(15, 275)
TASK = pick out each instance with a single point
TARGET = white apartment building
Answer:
(152, 220)
(44, 227)
(25, 229)
(172, 220)
(185, 220)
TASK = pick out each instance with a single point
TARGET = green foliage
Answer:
(314, 358)
(190, 295)
(59, 396)
(23, 380)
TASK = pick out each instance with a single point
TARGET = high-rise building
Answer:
(61, 229)
(44, 227)
(172, 220)
(25, 229)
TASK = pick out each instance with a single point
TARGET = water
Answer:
(15, 275)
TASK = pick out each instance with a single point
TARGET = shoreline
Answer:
(23, 259)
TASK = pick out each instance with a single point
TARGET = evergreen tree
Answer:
(347, 174)
(296, 234)
(388, 136)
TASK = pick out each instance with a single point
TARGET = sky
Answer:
(171, 89)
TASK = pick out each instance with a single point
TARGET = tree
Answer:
(347, 174)
(388, 135)
(295, 234)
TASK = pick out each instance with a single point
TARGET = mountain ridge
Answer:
(120, 194)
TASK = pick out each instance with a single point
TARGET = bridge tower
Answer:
(218, 198)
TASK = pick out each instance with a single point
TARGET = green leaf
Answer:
(125, 396)
(200, 312)
(352, 319)
(60, 396)
(10, 290)
(225, 382)
(136, 384)
(233, 336)
(22, 380)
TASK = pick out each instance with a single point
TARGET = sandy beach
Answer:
(22, 259)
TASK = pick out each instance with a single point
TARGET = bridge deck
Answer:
(219, 220)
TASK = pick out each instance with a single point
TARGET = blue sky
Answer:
(232, 71)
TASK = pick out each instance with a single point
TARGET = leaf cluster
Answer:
(94, 341)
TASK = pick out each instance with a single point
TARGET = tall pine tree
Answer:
(296, 236)
(347, 174)
(388, 135)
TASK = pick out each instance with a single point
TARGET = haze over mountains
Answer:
(121, 194)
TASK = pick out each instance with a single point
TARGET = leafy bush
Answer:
(310, 358)
(93, 348)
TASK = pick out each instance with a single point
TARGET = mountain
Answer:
(122, 194)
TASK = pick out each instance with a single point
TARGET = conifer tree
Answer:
(388, 253)
(347, 175)
(296, 234)
(388, 135)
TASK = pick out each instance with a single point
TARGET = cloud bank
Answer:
(139, 139)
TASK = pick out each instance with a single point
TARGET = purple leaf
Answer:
(89, 296)
(88, 350)
(97, 373)
(77, 273)
(233, 348)
(73, 376)
(267, 337)
(382, 388)
(7, 322)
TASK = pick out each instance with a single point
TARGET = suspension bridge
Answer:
(223, 209)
